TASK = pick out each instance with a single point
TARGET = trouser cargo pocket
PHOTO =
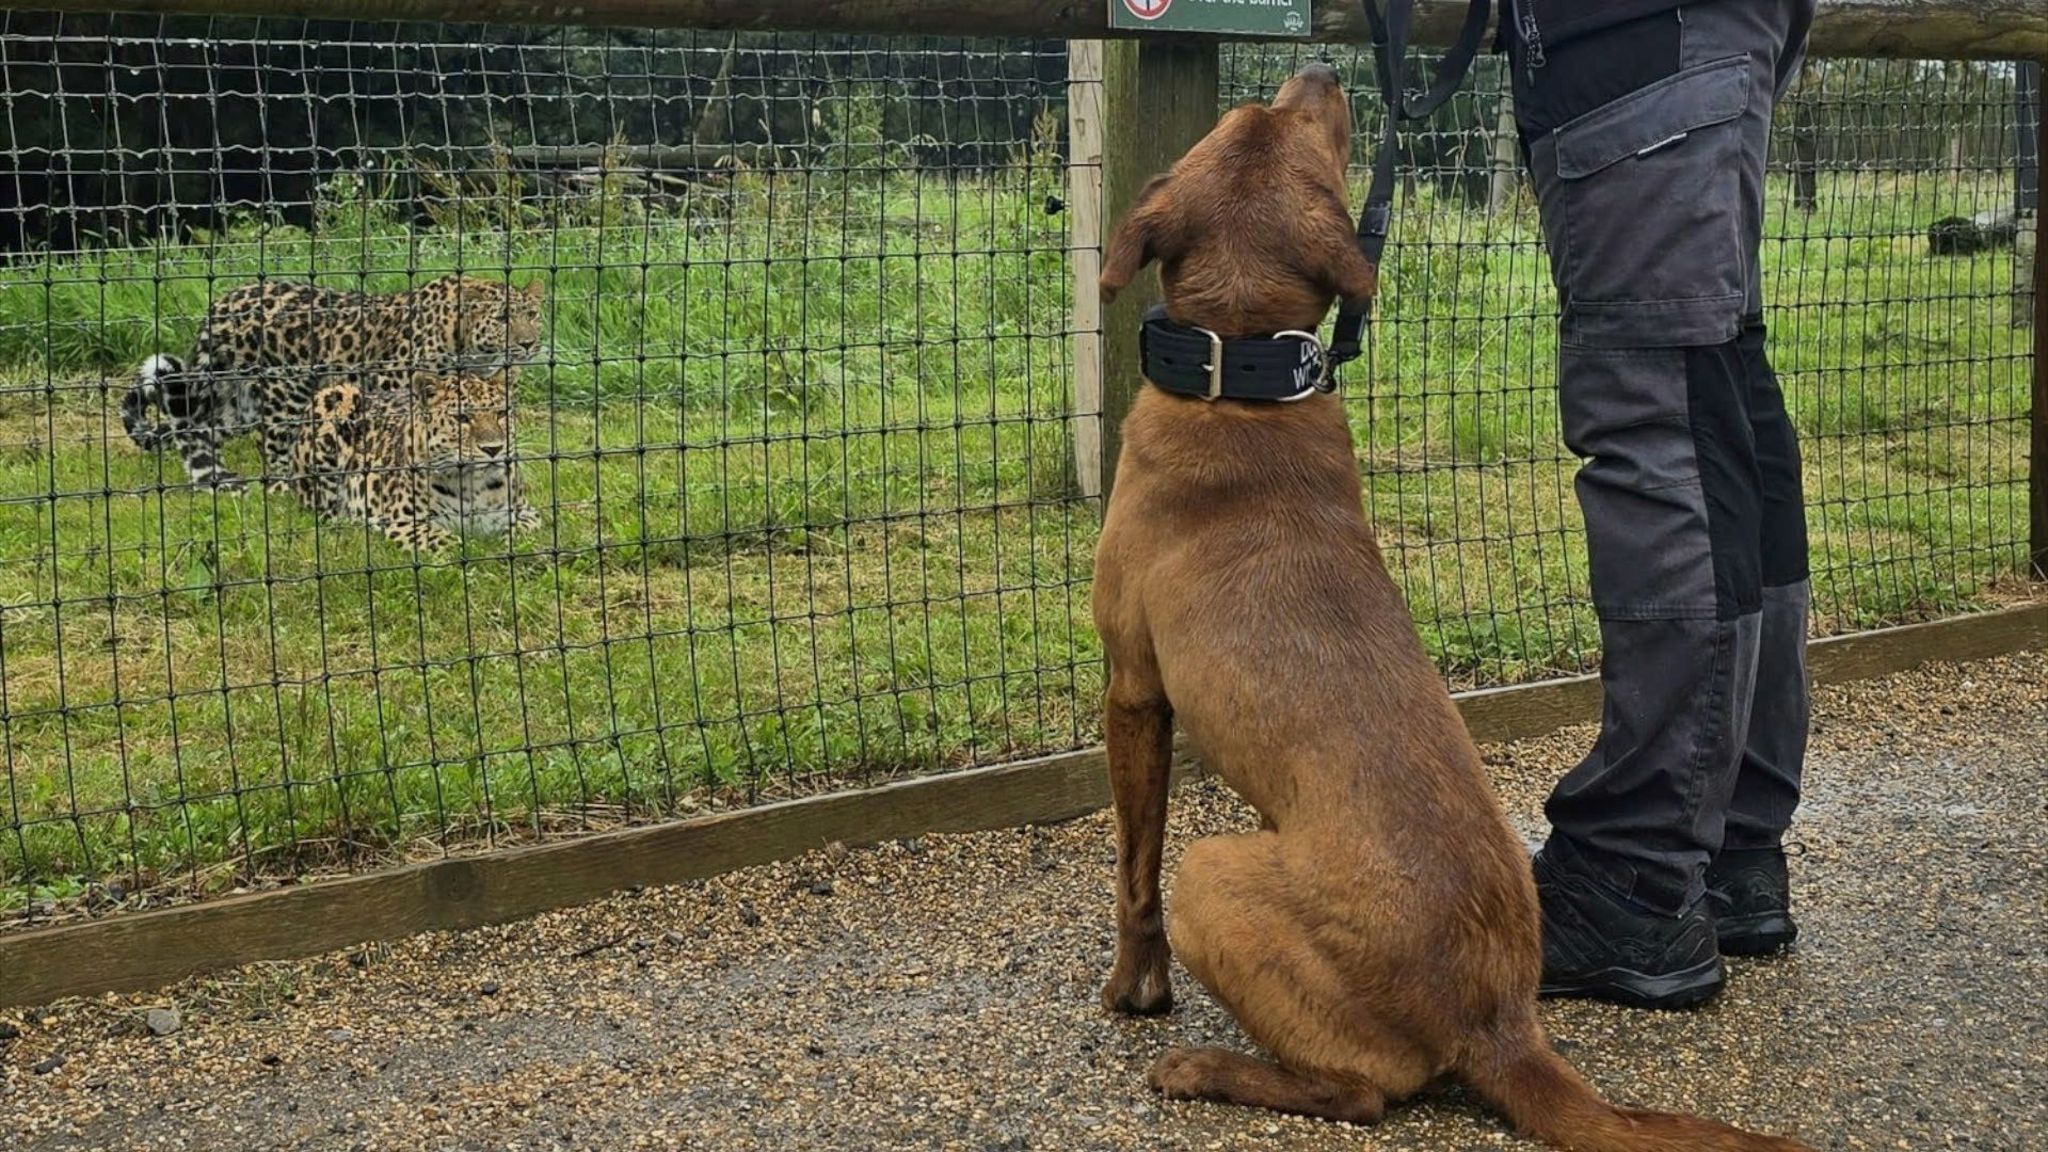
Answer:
(1642, 212)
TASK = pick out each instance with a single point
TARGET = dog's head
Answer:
(1251, 229)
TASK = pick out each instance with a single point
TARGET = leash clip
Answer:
(1377, 220)
(1215, 365)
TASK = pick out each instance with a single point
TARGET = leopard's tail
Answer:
(159, 384)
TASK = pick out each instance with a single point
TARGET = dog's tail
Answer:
(1517, 1072)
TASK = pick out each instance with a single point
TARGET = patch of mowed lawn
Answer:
(805, 473)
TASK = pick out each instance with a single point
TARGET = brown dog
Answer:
(1381, 931)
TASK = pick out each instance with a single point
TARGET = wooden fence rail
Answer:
(1913, 29)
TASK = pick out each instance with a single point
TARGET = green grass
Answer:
(805, 463)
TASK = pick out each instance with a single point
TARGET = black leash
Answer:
(1390, 48)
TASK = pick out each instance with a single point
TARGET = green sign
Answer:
(1235, 17)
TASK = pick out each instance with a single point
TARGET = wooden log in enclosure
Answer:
(656, 156)
(1898, 29)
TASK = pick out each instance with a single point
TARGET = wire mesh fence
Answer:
(789, 370)
(795, 435)
(1889, 263)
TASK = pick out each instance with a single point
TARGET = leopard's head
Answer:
(468, 418)
(496, 325)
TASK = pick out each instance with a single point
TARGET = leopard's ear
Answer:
(533, 291)
(425, 384)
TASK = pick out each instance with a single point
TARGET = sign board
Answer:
(1269, 18)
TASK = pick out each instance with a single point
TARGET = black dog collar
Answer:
(1196, 362)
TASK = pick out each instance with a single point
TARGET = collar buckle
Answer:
(1215, 365)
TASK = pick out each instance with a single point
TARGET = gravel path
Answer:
(940, 994)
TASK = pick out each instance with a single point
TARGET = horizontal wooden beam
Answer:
(148, 949)
(1983, 636)
(1494, 715)
(1923, 29)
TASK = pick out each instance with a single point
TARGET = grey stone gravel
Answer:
(943, 996)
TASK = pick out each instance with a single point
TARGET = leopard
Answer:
(265, 348)
(422, 461)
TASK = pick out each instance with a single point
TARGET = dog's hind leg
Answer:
(1300, 985)
(1138, 729)
(1233, 1078)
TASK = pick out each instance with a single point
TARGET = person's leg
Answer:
(1650, 200)
(1748, 881)
(1767, 781)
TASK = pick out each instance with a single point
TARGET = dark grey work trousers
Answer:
(1646, 145)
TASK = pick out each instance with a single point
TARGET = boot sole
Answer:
(1758, 935)
(1664, 991)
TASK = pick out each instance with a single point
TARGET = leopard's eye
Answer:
(463, 417)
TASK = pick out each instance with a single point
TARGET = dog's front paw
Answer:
(1138, 991)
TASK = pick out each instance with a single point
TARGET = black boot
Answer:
(1751, 900)
(1598, 946)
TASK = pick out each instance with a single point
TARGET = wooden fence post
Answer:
(1504, 184)
(1084, 247)
(2026, 108)
(1159, 97)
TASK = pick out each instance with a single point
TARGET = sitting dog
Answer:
(1380, 931)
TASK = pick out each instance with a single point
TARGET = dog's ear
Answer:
(1146, 233)
(1338, 265)
(1348, 273)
